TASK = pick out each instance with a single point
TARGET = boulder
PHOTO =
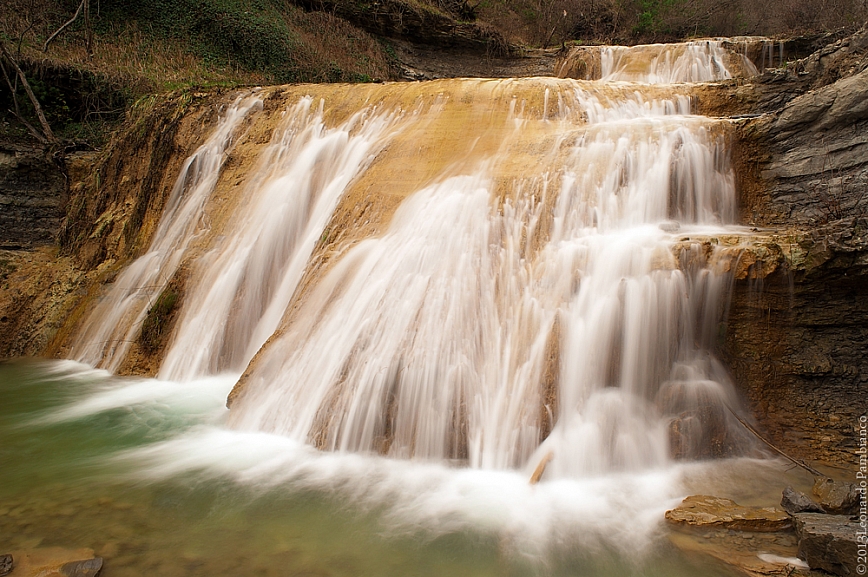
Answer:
(703, 511)
(828, 542)
(836, 497)
(795, 502)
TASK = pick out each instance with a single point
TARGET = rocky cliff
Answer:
(77, 222)
(797, 341)
(32, 196)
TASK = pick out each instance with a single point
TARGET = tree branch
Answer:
(798, 463)
(46, 129)
(62, 28)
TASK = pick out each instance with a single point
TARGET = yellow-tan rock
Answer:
(703, 511)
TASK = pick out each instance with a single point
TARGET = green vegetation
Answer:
(151, 46)
(155, 328)
(253, 33)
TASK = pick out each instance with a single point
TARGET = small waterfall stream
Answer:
(108, 332)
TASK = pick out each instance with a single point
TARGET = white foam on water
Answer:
(778, 560)
(621, 512)
(205, 396)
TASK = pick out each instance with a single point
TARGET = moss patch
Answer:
(157, 324)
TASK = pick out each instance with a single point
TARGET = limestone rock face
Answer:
(796, 340)
(414, 22)
(828, 542)
(816, 166)
(703, 511)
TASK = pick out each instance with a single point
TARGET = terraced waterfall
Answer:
(481, 280)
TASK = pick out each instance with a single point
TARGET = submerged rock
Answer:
(5, 565)
(828, 542)
(86, 568)
(56, 562)
(704, 511)
(836, 497)
(796, 502)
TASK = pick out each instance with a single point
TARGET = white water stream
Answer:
(699, 61)
(106, 336)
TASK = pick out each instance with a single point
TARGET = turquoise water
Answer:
(145, 473)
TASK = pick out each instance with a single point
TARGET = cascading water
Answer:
(695, 61)
(524, 300)
(105, 337)
(701, 61)
(490, 310)
(245, 286)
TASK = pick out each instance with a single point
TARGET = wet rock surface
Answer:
(86, 568)
(797, 502)
(796, 341)
(753, 554)
(703, 511)
(828, 542)
(796, 349)
(837, 497)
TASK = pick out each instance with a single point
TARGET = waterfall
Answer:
(483, 316)
(695, 61)
(106, 336)
(489, 272)
(245, 286)
(700, 61)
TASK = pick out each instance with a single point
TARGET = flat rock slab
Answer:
(759, 556)
(56, 562)
(828, 542)
(703, 511)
